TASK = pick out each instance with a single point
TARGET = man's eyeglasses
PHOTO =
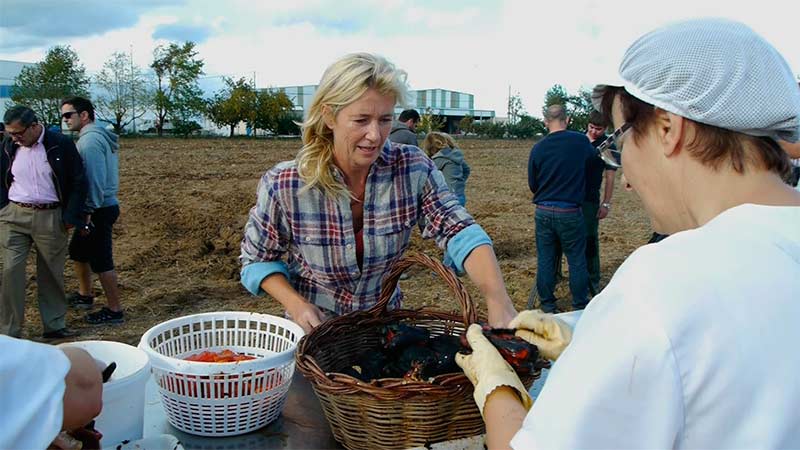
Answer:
(604, 149)
(18, 134)
(68, 114)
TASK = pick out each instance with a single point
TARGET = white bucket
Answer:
(122, 417)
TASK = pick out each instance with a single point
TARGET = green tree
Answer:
(177, 95)
(288, 124)
(429, 122)
(515, 108)
(556, 95)
(489, 129)
(124, 93)
(184, 128)
(273, 110)
(43, 85)
(526, 127)
(580, 107)
(466, 124)
(232, 105)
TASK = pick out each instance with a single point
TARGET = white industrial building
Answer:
(451, 105)
(8, 71)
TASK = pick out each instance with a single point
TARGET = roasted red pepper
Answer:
(519, 353)
(224, 356)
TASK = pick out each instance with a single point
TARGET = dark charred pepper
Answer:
(519, 353)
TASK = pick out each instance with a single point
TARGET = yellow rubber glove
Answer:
(550, 334)
(487, 370)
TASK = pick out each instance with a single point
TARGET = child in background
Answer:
(450, 160)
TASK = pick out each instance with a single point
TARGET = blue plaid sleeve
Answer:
(266, 236)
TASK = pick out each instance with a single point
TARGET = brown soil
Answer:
(184, 204)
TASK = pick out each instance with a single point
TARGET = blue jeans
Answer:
(568, 230)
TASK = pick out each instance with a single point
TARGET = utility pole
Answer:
(508, 110)
(133, 94)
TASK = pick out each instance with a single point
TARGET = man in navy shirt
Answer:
(597, 173)
(557, 179)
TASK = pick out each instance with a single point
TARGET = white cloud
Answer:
(470, 46)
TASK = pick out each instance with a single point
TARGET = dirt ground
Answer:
(184, 204)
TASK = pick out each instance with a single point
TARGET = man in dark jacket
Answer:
(42, 192)
(404, 131)
(557, 179)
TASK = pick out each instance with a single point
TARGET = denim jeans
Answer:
(568, 230)
(592, 247)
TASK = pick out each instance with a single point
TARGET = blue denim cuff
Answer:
(254, 273)
(462, 244)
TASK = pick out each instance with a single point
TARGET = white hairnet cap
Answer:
(714, 71)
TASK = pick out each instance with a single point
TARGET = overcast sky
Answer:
(476, 46)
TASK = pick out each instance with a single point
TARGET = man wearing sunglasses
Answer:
(42, 191)
(91, 243)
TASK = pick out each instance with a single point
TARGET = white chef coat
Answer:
(693, 344)
(31, 393)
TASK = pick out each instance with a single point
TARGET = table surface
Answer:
(302, 425)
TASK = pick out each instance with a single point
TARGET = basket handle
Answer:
(468, 310)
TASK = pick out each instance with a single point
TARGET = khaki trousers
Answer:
(19, 229)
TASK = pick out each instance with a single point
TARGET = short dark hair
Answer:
(409, 114)
(596, 118)
(81, 104)
(712, 146)
(20, 113)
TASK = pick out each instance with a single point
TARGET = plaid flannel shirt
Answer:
(314, 232)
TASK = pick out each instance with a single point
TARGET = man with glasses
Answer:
(42, 191)
(90, 247)
(557, 179)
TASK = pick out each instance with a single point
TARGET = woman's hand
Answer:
(550, 334)
(487, 370)
(305, 314)
(300, 310)
(500, 311)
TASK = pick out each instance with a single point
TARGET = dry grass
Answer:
(184, 203)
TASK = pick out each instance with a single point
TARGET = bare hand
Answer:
(602, 213)
(84, 388)
(307, 315)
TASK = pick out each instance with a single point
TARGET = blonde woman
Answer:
(328, 225)
(449, 159)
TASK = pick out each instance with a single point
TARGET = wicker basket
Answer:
(392, 413)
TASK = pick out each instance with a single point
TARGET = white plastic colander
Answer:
(222, 399)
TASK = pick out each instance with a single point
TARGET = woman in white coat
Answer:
(693, 342)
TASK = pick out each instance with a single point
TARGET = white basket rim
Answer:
(162, 362)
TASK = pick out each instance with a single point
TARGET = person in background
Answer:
(404, 131)
(557, 179)
(598, 173)
(330, 224)
(45, 389)
(42, 192)
(91, 245)
(449, 159)
(690, 344)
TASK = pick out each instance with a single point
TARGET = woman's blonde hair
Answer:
(343, 82)
(435, 141)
